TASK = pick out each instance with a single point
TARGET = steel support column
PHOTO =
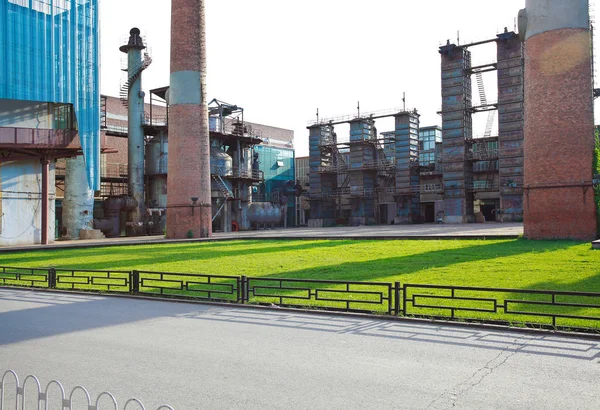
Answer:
(45, 199)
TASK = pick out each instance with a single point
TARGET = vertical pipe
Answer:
(45, 200)
(189, 159)
(135, 111)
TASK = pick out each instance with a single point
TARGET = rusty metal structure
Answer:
(469, 162)
(373, 175)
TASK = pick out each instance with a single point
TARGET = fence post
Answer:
(134, 282)
(397, 298)
(404, 300)
(244, 289)
(51, 278)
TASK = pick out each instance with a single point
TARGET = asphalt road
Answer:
(206, 357)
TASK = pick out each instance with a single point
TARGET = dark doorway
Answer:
(489, 212)
(383, 214)
(429, 213)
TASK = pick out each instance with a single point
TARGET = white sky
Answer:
(281, 59)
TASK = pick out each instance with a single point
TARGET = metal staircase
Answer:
(227, 193)
(387, 168)
(482, 97)
(222, 186)
(133, 77)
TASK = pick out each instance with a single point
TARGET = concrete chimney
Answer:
(188, 182)
(559, 120)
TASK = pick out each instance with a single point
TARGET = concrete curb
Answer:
(108, 243)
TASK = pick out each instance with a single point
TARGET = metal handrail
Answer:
(352, 117)
(39, 137)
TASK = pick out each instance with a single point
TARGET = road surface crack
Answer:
(449, 398)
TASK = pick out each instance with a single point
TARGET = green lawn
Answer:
(515, 264)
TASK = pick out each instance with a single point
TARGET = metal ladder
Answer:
(482, 97)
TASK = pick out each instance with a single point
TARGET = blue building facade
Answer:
(278, 166)
(49, 52)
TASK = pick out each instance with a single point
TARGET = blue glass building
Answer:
(49, 52)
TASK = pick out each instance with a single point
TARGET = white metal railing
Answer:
(32, 389)
(243, 173)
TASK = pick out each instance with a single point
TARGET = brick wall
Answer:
(559, 127)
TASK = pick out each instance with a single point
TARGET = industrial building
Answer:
(225, 173)
(51, 132)
(49, 105)
(449, 174)
(252, 165)
(430, 174)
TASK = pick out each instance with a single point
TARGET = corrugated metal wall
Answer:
(49, 51)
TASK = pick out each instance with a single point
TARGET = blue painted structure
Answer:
(407, 174)
(49, 51)
(278, 166)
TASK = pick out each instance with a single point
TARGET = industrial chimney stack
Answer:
(188, 184)
(559, 120)
(133, 97)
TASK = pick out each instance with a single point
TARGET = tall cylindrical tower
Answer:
(559, 120)
(188, 181)
(135, 111)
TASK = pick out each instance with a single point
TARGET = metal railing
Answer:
(324, 294)
(242, 173)
(498, 304)
(117, 129)
(365, 166)
(217, 288)
(108, 170)
(39, 138)
(113, 188)
(90, 280)
(551, 309)
(155, 120)
(31, 391)
(363, 115)
(374, 192)
(490, 155)
(27, 277)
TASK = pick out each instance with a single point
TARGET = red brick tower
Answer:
(559, 120)
(188, 195)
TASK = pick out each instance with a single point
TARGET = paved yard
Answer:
(195, 356)
(489, 230)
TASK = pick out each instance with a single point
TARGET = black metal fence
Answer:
(364, 297)
(216, 288)
(546, 308)
(27, 277)
(525, 307)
